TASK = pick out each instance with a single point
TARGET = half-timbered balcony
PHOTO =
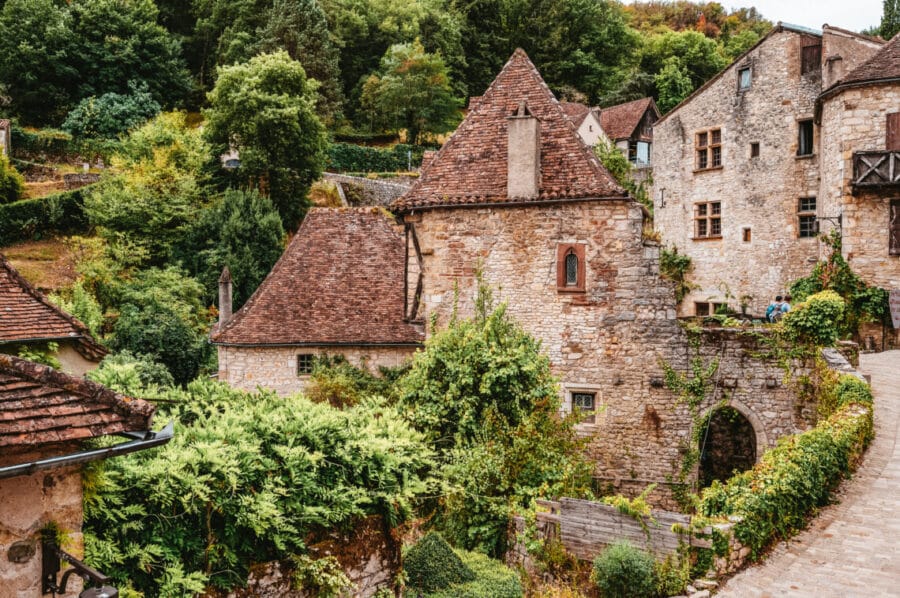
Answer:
(872, 170)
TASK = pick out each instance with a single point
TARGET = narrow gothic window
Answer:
(571, 270)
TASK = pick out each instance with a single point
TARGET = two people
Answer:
(778, 308)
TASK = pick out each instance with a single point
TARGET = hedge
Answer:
(346, 157)
(33, 218)
(791, 481)
(43, 142)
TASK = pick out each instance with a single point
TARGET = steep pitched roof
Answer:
(26, 315)
(471, 168)
(340, 282)
(882, 67)
(575, 111)
(620, 121)
(39, 406)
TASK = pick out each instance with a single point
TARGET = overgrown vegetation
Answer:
(622, 169)
(623, 571)
(35, 218)
(676, 267)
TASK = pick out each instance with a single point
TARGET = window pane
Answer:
(717, 136)
(715, 227)
(805, 138)
(701, 140)
(807, 204)
(304, 364)
(754, 150)
(701, 209)
(583, 400)
(744, 75)
(807, 226)
(643, 152)
(717, 156)
(701, 228)
(716, 207)
(571, 270)
(701, 308)
(701, 159)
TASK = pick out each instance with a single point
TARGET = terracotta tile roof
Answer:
(882, 67)
(575, 111)
(620, 121)
(471, 168)
(26, 315)
(340, 281)
(39, 406)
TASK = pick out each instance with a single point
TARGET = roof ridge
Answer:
(92, 349)
(849, 79)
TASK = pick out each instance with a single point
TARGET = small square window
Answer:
(708, 220)
(701, 308)
(805, 138)
(754, 150)
(585, 402)
(744, 78)
(305, 364)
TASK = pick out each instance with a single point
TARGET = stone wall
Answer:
(361, 191)
(27, 504)
(275, 368)
(756, 193)
(609, 340)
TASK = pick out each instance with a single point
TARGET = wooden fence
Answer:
(586, 527)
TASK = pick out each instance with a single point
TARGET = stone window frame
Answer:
(305, 364)
(806, 218)
(563, 251)
(754, 149)
(746, 68)
(708, 149)
(709, 308)
(707, 220)
(569, 390)
(802, 125)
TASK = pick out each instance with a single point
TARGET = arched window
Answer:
(571, 269)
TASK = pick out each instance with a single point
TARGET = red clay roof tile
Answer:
(620, 121)
(883, 66)
(340, 281)
(39, 406)
(471, 168)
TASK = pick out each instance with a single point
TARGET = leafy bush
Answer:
(336, 381)
(12, 184)
(623, 571)
(792, 480)
(79, 302)
(672, 576)
(346, 157)
(815, 321)
(41, 143)
(492, 578)
(675, 267)
(432, 565)
(111, 114)
(245, 480)
(131, 374)
(34, 218)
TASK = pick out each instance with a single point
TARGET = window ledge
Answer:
(805, 156)
(711, 168)
(716, 238)
(570, 290)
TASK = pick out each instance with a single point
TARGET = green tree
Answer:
(264, 109)
(111, 114)
(691, 52)
(484, 395)
(673, 84)
(412, 92)
(12, 184)
(241, 230)
(890, 19)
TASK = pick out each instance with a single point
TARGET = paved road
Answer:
(853, 547)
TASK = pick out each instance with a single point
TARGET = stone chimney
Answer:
(224, 297)
(524, 155)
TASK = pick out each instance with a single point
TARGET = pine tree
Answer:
(890, 19)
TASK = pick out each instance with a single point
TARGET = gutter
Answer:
(141, 441)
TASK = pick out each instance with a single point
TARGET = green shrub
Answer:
(792, 480)
(346, 157)
(492, 578)
(623, 571)
(12, 184)
(432, 565)
(42, 143)
(111, 114)
(816, 320)
(35, 218)
(672, 575)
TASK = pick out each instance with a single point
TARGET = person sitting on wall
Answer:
(774, 311)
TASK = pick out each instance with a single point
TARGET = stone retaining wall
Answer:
(361, 191)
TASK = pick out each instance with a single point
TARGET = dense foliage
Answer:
(12, 184)
(890, 19)
(244, 480)
(111, 114)
(34, 218)
(618, 165)
(775, 498)
(265, 110)
(432, 565)
(676, 267)
(492, 578)
(623, 571)
(815, 320)
(484, 395)
(347, 157)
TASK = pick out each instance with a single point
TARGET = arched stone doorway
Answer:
(729, 443)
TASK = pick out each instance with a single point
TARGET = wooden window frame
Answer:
(563, 250)
(892, 132)
(744, 69)
(590, 414)
(812, 137)
(705, 213)
(305, 363)
(806, 218)
(707, 149)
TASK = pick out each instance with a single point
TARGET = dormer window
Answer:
(570, 268)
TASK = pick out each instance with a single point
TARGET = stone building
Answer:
(859, 119)
(28, 319)
(630, 127)
(736, 167)
(45, 415)
(337, 290)
(586, 121)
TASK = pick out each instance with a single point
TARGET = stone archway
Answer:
(732, 440)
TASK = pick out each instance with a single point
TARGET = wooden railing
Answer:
(876, 169)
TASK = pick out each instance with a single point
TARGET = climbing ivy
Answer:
(676, 266)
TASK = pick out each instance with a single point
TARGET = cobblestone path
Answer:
(852, 549)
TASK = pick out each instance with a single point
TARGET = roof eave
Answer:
(514, 204)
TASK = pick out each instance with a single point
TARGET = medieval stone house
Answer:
(28, 319)
(586, 121)
(859, 120)
(337, 290)
(45, 415)
(737, 167)
(630, 127)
